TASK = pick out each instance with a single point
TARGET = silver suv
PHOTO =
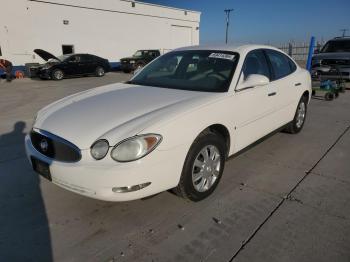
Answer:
(333, 60)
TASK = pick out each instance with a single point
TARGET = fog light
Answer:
(126, 189)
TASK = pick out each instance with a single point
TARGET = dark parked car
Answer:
(138, 60)
(333, 60)
(59, 67)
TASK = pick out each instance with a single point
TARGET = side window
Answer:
(255, 63)
(280, 63)
(74, 59)
(292, 65)
(86, 58)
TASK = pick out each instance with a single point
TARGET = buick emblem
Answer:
(44, 145)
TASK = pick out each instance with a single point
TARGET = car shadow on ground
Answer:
(24, 229)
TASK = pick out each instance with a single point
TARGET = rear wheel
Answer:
(57, 74)
(203, 167)
(328, 96)
(99, 71)
(299, 118)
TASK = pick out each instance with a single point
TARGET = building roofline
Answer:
(163, 6)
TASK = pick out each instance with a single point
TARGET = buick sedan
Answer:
(172, 126)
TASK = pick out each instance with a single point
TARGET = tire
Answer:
(126, 71)
(99, 71)
(198, 179)
(298, 121)
(57, 74)
(313, 93)
(328, 96)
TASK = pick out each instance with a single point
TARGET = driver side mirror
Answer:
(254, 80)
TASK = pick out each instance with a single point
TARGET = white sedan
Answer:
(172, 126)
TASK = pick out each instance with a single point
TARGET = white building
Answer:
(108, 28)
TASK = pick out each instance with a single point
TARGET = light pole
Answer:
(227, 12)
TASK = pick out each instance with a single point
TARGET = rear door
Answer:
(254, 104)
(286, 83)
(89, 63)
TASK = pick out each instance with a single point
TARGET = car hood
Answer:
(114, 112)
(45, 55)
(335, 55)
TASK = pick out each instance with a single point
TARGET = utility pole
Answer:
(227, 12)
(344, 31)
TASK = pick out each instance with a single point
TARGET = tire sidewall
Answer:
(298, 129)
(53, 74)
(197, 146)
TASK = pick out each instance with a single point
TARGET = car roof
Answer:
(340, 38)
(234, 48)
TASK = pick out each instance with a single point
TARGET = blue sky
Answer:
(268, 21)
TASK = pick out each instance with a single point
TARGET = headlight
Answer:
(132, 62)
(99, 149)
(135, 148)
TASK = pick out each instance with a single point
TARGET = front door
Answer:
(254, 104)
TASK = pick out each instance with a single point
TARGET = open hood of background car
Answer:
(45, 55)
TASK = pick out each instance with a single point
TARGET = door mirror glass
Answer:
(254, 80)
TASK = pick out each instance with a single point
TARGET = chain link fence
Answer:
(299, 51)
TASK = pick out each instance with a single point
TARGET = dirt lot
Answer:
(285, 199)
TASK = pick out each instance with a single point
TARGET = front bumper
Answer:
(321, 73)
(125, 66)
(96, 179)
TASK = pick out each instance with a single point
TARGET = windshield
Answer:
(138, 54)
(193, 70)
(336, 46)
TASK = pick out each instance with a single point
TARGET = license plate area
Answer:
(42, 168)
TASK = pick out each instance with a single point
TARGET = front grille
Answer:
(55, 147)
(339, 62)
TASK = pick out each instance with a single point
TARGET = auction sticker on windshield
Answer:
(222, 56)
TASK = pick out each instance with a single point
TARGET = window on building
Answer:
(67, 49)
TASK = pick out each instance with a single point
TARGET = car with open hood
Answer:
(172, 126)
(59, 67)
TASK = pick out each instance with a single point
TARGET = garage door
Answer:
(180, 36)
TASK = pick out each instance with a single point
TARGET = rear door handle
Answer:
(272, 94)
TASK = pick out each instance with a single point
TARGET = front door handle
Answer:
(297, 84)
(272, 94)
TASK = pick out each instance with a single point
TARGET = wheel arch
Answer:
(224, 132)
(306, 94)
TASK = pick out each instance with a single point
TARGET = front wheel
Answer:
(57, 74)
(203, 167)
(299, 118)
